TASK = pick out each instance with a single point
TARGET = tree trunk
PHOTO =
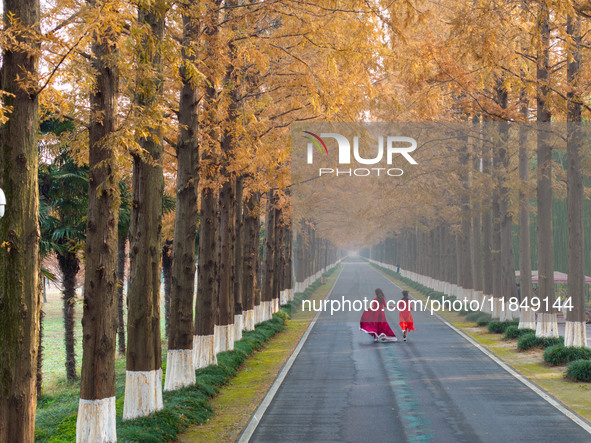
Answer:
(167, 277)
(546, 326)
(96, 411)
(69, 266)
(269, 258)
(180, 359)
(19, 228)
(121, 261)
(507, 259)
(238, 254)
(225, 276)
(527, 318)
(143, 380)
(575, 329)
(250, 257)
(39, 382)
(206, 306)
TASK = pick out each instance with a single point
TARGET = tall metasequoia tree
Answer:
(227, 205)
(180, 360)
(250, 257)
(527, 318)
(575, 333)
(269, 258)
(121, 259)
(96, 410)
(238, 254)
(143, 379)
(507, 261)
(546, 326)
(20, 288)
(204, 340)
(465, 251)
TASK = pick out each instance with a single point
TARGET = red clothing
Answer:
(405, 315)
(374, 321)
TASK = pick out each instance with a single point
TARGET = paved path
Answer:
(436, 387)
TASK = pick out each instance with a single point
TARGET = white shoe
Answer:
(386, 339)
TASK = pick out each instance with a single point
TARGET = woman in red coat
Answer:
(373, 320)
(405, 315)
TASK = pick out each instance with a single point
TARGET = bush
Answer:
(579, 370)
(529, 341)
(515, 332)
(499, 327)
(483, 319)
(559, 355)
(473, 316)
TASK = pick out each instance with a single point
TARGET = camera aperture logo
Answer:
(388, 147)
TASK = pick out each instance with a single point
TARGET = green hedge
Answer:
(483, 319)
(559, 355)
(514, 332)
(579, 370)
(499, 327)
(529, 341)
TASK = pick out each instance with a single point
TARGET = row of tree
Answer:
(198, 94)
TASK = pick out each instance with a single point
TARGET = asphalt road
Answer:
(437, 387)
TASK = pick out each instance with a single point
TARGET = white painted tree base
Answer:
(275, 304)
(143, 393)
(223, 337)
(180, 369)
(505, 314)
(204, 351)
(547, 326)
(96, 421)
(267, 310)
(575, 334)
(496, 311)
(248, 320)
(527, 319)
(238, 326)
(257, 314)
(283, 297)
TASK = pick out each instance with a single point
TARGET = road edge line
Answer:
(247, 432)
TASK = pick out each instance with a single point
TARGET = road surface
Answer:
(437, 387)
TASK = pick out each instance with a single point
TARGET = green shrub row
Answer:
(579, 370)
(529, 341)
(514, 332)
(559, 355)
(499, 327)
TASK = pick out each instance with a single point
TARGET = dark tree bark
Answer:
(19, 228)
(269, 257)
(99, 321)
(575, 334)
(39, 382)
(143, 393)
(250, 256)
(69, 266)
(527, 319)
(546, 326)
(507, 258)
(167, 278)
(239, 249)
(206, 306)
(121, 261)
(180, 358)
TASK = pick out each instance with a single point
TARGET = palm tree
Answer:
(63, 200)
